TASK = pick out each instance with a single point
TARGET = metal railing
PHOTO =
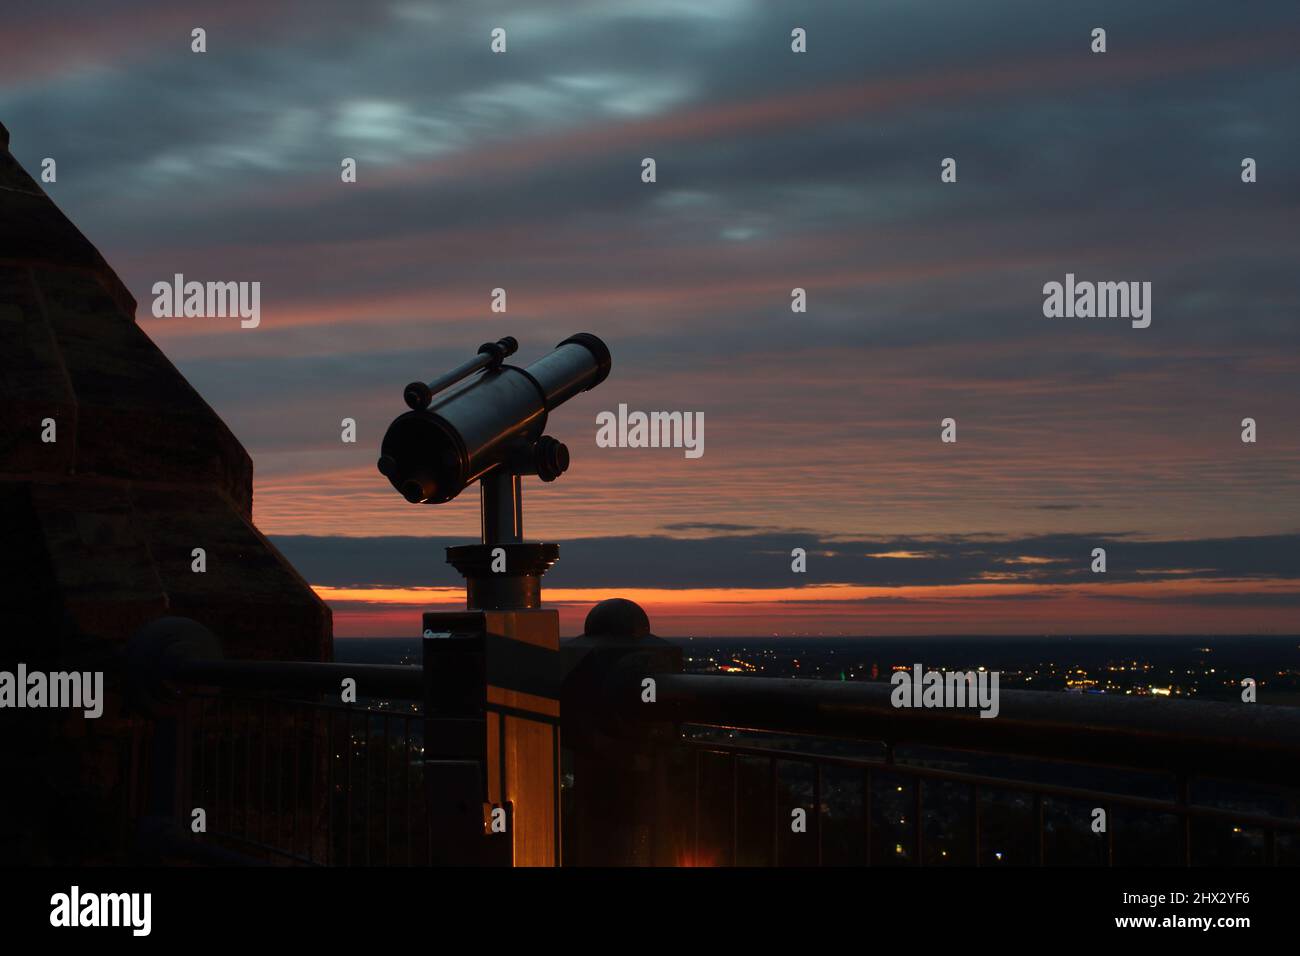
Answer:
(309, 782)
(284, 775)
(727, 770)
(771, 771)
(896, 805)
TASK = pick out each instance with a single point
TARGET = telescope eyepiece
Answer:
(415, 491)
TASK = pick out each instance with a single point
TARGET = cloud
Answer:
(762, 560)
(776, 170)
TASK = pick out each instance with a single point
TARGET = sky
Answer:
(819, 170)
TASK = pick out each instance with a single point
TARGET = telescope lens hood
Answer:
(593, 344)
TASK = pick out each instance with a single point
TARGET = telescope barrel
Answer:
(418, 395)
(568, 371)
(431, 453)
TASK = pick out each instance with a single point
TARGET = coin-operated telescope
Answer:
(491, 430)
(492, 672)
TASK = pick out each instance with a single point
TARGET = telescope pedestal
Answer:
(494, 691)
(492, 698)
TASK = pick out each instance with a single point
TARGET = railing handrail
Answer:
(403, 681)
(1258, 742)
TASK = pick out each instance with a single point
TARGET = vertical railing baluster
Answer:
(283, 710)
(817, 810)
(775, 807)
(918, 839)
(248, 771)
(347, 810)
(406, 788)
(230, 805)
(185, 758)
(201, 798)
(1110, 834)
(1040, 836)
(266, 733)
(699, 782)
(368, 722)
(428, 820)
(388, 832)
(735, 810)
(296, 737)
(329, 782)
(866, 812)
(1185, 817)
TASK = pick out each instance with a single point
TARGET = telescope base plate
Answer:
(503, 576)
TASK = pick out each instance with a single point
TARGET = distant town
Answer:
(1189, 667)
(1205, 668)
